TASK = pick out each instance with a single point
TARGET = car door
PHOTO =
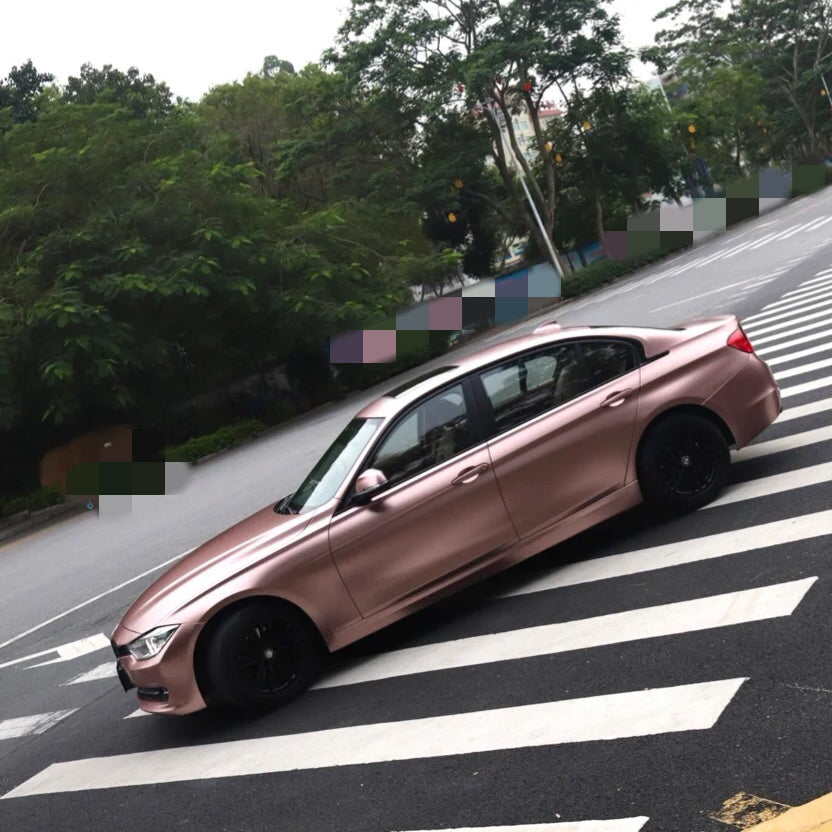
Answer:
(441, 513)
(562, 419)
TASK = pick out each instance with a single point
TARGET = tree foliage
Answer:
(755, 72)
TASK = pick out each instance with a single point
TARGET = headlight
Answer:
(148, 645)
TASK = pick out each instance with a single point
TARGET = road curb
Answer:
(26, 521)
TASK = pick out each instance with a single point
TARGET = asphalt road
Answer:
(644, 728)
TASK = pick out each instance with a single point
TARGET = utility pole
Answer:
(521, 176)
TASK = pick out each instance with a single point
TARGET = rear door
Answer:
(561, 420)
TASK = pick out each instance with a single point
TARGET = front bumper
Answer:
(165, 684)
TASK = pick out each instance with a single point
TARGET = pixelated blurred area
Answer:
(104, 469)
(665, 229)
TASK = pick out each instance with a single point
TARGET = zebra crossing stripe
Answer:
(789, 413)
(806, 387)
(823, 335)
(102, 671)
(775, 484)
(786, 443)
(692, 550)
(782, 375)
(695, 615)
(793, 356)
(641, 713)
(27, 726)
(786, 324)
(796, 331)
(801, 295)
(789, 311)
(821, 284)
(796, 307)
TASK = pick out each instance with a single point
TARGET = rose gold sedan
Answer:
(450, 477)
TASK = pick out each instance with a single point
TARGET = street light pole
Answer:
(521, 176)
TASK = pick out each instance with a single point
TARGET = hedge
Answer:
(211, 443)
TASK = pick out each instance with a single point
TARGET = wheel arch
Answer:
(220, 614)
(688, 410)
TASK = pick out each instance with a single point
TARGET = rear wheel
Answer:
(260, 656)
(683, 463)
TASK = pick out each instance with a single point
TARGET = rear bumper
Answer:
(165, 684)
(749, 402)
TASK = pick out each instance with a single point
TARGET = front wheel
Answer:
(260, 656)
(683, 463)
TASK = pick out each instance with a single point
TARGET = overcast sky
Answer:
(193, 46)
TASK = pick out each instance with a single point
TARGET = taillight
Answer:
(739, 341)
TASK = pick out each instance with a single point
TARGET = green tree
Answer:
(490, 61)
(755, 72)
(20, 91)
(141, 94)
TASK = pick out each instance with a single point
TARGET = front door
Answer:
(441, 514)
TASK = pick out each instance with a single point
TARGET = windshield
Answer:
(329, 473)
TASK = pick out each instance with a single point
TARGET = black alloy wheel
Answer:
(261, 655)
(683, 463)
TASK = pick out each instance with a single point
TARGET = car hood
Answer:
(217, 560)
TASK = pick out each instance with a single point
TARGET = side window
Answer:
(608, 360)
(530, 385)
(435, 430)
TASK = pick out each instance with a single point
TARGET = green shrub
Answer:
(227, 437)
(37, 500)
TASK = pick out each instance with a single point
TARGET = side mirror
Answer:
(368, 484)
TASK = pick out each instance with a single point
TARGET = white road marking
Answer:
(615, 825)
(694, 615)
(806, 387)
(789, 413)
(820, 277)
(92, 600)
(775, 484)
(793, 356)
(136, 713)
(797, 331)
(782, 375)
(703, 294)
(693, 550)
(801, 295)
(66, 652)
(824, 334)
(27, 726)
(787, 312)
(102, 671)
(694, 707)
(786, 443)
(791, 322)
(814, 226)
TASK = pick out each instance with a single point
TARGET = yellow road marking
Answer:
(747, 811)
(810, 817)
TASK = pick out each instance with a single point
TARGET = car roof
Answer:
(654, 341)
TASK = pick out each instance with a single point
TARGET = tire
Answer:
(260, 656)
(682, 463)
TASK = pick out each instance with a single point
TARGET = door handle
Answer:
(617, 398)
(469, 474)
